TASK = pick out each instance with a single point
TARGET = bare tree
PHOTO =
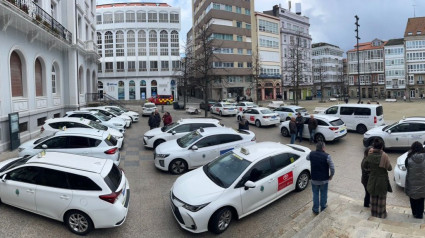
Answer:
(319, 72)
(186, 71)
(295, 66)
(256, 71)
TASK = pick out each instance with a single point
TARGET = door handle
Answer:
(30, 191)
(271, 180)
(64, 197)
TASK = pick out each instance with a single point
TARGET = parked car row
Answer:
(70, 173)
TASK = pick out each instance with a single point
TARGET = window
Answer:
(240, 51)
(249, 52)
(174, 17)
(332, 110)
(174, 43)
(141, 16)
(249, 64)
(282, 160)
(269, 42)
(223, 64)
(142, 66)
(38, 78)
(153, 65)
(141, 42)
(99, 44)
(131, 43)
(347, 111)
(163, 38)
(247, 12)
(239, 24)
(53, 80)
(163, 17)
(26, 174)
(223, 51)
(362, 111)
(78, 182)
(120, 66)
(23, 127)
(238, 10)
(175, 64)
(40, 121)
(131, 66)
(130, 17)
(109, 44)
(239, 38)
(248, 26)
(107, 18)
(164, 65)
(153, 43)
(119, 45)
(77, 142)
(52, 178)
(56, 115)
(152, 17)
(259, 171)
(270, 27)
(98, 19)
(228, 8)
(109, 67)
(228, 138)
(118, 17)
(59, 142)
(240, 64)
(220, 36)
(208, 141)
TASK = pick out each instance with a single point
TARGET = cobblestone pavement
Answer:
(150, 215)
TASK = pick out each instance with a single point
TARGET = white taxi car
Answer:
(148, 108)
(156, 136)
(242, 106)
(81, 141)
(57, 124)
(111, 113)
(82, 192)
(329, 128)
(286, 112)
(199, 147)
(224, 108)
(400, 170)
(237, 184)
(116, 123)
(132, 114)
(399, 135)
(260, 116)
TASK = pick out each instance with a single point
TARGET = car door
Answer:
(58, 144)
(208, 149)
(286, 172)
(228, 142)
(179, 130)
(52, 189)
(418, 133)
(265, 186)
(78, 145)
(19, 189)
(399, 136)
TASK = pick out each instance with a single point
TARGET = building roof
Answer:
(414, 26)
(322, 44)
(368, 46)
(267, 15)
(133, 4)
(395, 42)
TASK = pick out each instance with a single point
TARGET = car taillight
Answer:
(266, 116)
(111, 198)
(333, 128)
(111, 151)
(42, 129)
(374, 120)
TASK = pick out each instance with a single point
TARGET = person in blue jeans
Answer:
(293, 130)
(321, 165)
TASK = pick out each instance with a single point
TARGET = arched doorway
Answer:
(143, 89)
(88, 89)
(132, 90)
(100, 89)
(154, 89)
(121, 90)
(80, 80)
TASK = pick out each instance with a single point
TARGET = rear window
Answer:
(111, 141)
(113, 179)
(337, 122)
(362, 111)
(379, 111)
(78, 182)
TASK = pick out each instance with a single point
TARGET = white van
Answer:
(358, 117)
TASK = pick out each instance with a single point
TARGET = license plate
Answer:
(342, 131)
(274, 117)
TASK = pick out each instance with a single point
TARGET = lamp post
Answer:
(358, 56)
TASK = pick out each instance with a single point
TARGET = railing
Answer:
(420, 82)
(103, 98)
(395, 86)
(41, 17)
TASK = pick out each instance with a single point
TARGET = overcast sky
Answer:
(332, 21)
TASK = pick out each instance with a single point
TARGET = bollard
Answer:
(162, 109)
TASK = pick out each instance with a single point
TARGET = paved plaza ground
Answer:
(149, 212)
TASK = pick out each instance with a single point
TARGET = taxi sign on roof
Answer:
(244, 151)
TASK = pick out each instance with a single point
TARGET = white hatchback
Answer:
(286, 112)
(224, 109)
(133, 115)
(110, 113)
(116, 123)
(81, 141)
(329, 128)
(148, 108)
(199, 147)
(237, 184)
(260, 116)
(82, 192)
(57, 124)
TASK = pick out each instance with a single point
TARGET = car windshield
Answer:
(188, 139)
(389, 126)
(149, 105)
(42, 139)
(337, 122)
(224, 170)
(125, 110)
(15, 163)
(97, 125)
(114, 112)
(168, 127)
(266, 111)
(301, 110)
(115, 109)
(102, 116)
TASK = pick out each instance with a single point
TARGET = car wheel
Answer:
(220, 220)
(284, 132)
(361, 129)
(157, 142)
(302, 181)
(319, 137)
(178, 166)
(239, 118)
(288, 118)
(257, 123)
(220, 113)
(78, 222)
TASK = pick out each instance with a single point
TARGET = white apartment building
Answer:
(327, 69)
(294, 38)
(48, 61)
(395, 76)
(139, 49)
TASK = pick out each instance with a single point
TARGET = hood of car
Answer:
(154, 132)
(195, 188)
(117, 120)
(132, 113)
(169, 147)
(374, 131)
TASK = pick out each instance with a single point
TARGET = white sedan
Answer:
(260, 116)
(286, 112)
(242, 106)
(148, 108)
(224, 108)
(400, 170)
(133, 115)
(237, 184)
(199, 147)
(329, 128)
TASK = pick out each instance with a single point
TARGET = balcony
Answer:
(41, 18)
(91, 46)
(420, 82)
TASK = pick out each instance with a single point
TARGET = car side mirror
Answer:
(249, 184)
(389, 131)
(44, 146)
(173, 132)
(194, 147)
(3, 179)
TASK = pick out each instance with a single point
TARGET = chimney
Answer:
(289, 6)
(276, 10)
(298, 8)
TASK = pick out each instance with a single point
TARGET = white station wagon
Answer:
(237, 184)
(82, 192)
(260, 116)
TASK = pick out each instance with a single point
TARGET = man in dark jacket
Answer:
(151, 121)
(300, 126)
(243, 123)
(321, 163)
(293, 130)
(312, 126)
(157, 119)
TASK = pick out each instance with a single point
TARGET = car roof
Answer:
(82, 111)
(217, 130)
(70, 119)
(414, 118)
(149, 103)
(198, 120)
(325, 117)
(71, 161)
(261, 108)
(357, 105)
(292, 106)
(262, 148)
(81, 132)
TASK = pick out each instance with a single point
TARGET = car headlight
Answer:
(162, 155)
(402, 167)
(194, 208)
(20, 149)
(148, 137)
(117, 124)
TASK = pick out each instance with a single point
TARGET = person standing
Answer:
(321, 165)
(300, 126)
(378, 184)
(167, 119)
(157, 119)
(365, 177)
(415, 180)
(243, 123)
(293, 130)
(151, 121)
(312, 126)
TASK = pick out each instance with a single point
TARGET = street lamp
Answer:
(358, 56)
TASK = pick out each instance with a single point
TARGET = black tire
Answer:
(177, 166)
(258, 123)
(319, 137)
(284, 131)
(288, 118)
(302, 181)
(220, 114)
(361, 129)
(220, 220)
(157, 142)
(78, 222)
